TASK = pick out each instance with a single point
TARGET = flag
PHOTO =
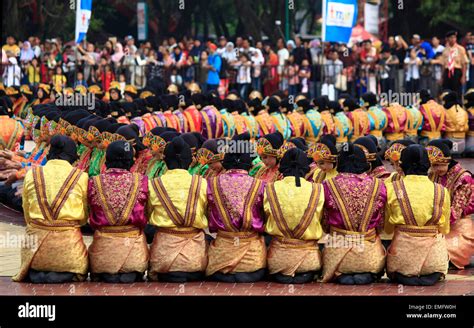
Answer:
(83, 17)
(339, 16)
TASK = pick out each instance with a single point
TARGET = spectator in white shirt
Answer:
(12, 72)
(283, 55)
(412, 64)
(243, 75)
(257, 62)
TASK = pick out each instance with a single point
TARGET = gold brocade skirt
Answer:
(233, 252)
(290, 256)
(345, 255)
(415, 254)
(54, 249)
(183, 250)
(118, 250)
(460, 242)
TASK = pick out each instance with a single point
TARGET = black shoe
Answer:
(247, 277)
(430, 279)
(180, 277)
(37, 277)
(128, 278)
(110, 278)
(405, 280)
(59, 277)
(363, 278)
(346, 279)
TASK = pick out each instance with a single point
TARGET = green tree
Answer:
(457, 13)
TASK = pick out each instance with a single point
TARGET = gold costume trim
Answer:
(220, 206)
(126, 211)
(51, 212)
(304, 222)
(171, 210)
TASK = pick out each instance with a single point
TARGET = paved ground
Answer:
(12, 229)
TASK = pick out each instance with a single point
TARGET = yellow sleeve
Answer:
(314, 230)
(151, 194)
(178, 195)
(201, 211)
(26, 195)
(466, 125)
(388, 227)
(293, 202)
(444, 223)
(83, 185)
(153, 205)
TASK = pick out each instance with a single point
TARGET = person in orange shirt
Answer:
(11, 132)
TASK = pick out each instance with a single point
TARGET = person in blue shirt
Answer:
(214, 65)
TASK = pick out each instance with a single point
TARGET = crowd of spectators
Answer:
(296, 66)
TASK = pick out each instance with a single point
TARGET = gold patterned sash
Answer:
(320, 177)
(248, 204)
(13, 137)
(262, 122)
(191, 204)
(369, 235)
(341, 202)
(51, 212)
(394, 114)
(126, 208)
(298, 231)
(452, 182)
(410, 221)
(433, 126)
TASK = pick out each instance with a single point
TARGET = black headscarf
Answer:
(352, 160)
(369, 143)
(119, 155)
(191, 140)
(370, 99)
(294, 163)
(469, 99)
(238, 159)
(62, 147)
(5, 111)
(74, 116)
(177, 154)
(273, 105)
(321, 103)
(350, 104)
(300, 143)
(276, 139)
(330, 141)
(304, 104)
(101, 124)
(425, 96)
(414, 160)
(169, 135)
(130, 132)
(199, 138)
(114, 127)
(445, 145)
(159, 130)
(450, 99)
(334, 107)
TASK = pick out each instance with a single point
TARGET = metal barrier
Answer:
(355, 80)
